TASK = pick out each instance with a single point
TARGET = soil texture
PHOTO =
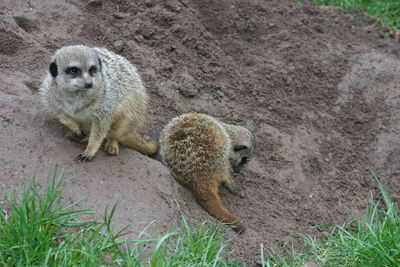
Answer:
(318, 86)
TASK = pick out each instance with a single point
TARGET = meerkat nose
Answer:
(88, 85)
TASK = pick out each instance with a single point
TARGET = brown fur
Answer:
(199, 151)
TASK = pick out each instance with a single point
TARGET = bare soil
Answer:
(319, 86)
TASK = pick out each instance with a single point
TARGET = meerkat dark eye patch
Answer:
(244, 160)
(73, 71)
(53, 69)
(92, 70)
(239, 148)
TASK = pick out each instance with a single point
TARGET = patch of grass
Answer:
(194, 247)
(371, 241)
(38, 229)
(386, 11)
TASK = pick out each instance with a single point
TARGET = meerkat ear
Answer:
(53, 69)
(100, 64)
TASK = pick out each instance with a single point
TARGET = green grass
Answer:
(386, 11)
(38, 229)
(371, 241)
(195, 247)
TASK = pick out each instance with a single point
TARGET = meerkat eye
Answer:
(74, 71)
(92, 70)
(239, 148)
(244, 160)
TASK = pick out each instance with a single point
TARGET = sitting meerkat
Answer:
(97, 94)
(199, 151)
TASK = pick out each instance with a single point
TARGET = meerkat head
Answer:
(243, 145)
(76, 67)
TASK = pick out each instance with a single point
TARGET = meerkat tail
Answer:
(137, 143)
(211, 202)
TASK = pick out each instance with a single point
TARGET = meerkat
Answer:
(97, 95)
(200, 151)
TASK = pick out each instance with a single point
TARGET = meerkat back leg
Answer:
(97, 134)
(117, 130)
(209, 198)
(136, 142)
(111, 147)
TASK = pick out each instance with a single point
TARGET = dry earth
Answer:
(318, 86)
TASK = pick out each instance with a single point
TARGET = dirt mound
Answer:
(317, 85)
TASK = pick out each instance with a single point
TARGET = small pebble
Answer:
(118, 45)
(120, 15)
(95, 3)
(139, 38)
(149, 3)
(188, 91)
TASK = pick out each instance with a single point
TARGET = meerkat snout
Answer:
(243, 148)
(239, 157)
(89, 85)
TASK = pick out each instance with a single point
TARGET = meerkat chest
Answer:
(83, 118)
(78, 105)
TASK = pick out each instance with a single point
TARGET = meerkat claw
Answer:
(83, 158)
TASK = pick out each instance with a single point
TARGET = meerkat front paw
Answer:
(83, 158)
(231, 187)
(77, 136)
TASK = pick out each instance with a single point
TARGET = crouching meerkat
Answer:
(199, 151)
(97, 94)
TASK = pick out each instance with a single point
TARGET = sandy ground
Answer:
(318, 86)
